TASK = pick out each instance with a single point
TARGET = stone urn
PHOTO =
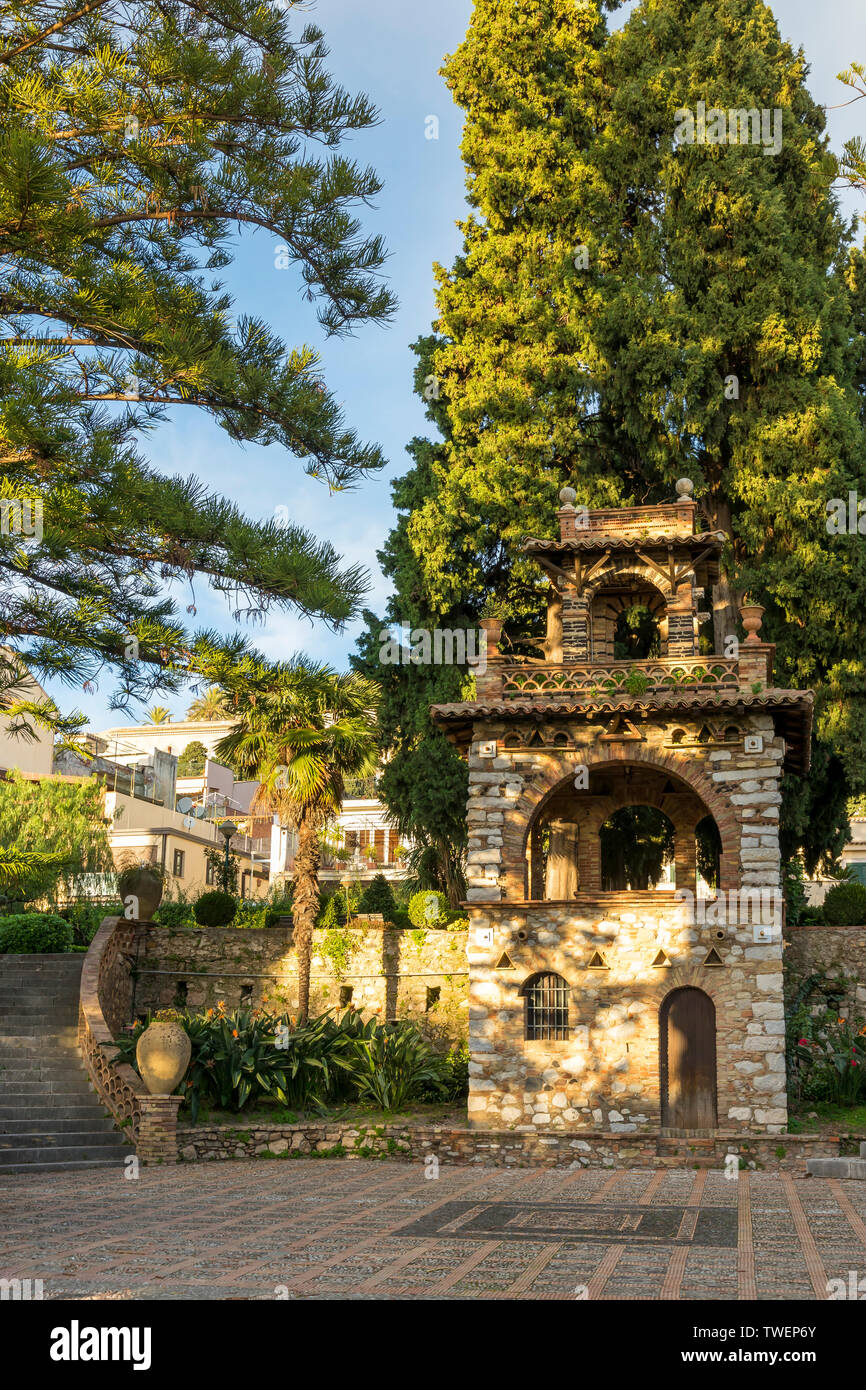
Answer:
(751, 615)
(162, 1053)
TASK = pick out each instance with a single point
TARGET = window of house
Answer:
(179, 860)
(545, 1003)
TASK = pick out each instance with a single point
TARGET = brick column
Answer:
(157, 1129)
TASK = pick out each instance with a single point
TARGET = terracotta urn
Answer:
(143, 883)
(751, 614)
(162, 1053)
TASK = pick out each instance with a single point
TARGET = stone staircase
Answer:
(50, 1117)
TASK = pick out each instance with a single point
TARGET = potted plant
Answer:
(163, 1053)
(140, 883)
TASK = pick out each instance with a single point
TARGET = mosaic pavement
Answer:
(330, 1229)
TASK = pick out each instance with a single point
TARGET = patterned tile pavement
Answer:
(329, 1229)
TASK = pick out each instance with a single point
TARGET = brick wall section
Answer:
(837, 951)
(389, 970)
(462, 1147)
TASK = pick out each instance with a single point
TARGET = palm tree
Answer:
(158, 714)
(302, 729)
(212, 704)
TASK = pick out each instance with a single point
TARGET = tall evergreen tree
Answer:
(131, 151)
(629, 308)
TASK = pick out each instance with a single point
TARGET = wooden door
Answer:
(687, 1025)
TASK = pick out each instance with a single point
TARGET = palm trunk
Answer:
(305, 905)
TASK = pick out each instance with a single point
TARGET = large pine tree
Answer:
(133, 146)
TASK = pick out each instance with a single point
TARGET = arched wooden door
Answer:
(687, 1029)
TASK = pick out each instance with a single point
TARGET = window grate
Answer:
(546, 1007)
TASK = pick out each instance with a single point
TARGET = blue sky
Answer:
(392, 50)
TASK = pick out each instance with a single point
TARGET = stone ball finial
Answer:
(685, 488)
(567, 496)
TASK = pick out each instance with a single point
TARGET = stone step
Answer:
(10, 1169)
(69, 1153)
(35, 1111)
(76, 1138)
(38, 1073)
(23, 1100)
(92, 1119)
(837, 1167)
(63, 1085)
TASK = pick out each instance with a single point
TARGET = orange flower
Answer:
(234, 1032)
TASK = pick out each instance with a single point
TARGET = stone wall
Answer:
(501, 1148)
(607, 1072)
(388, 970)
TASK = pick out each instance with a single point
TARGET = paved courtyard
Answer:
(329, 1229)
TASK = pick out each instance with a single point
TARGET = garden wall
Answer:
(387, 969)
(837, 952)
(418, 1143)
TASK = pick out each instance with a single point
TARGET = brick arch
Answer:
(603, 605)
(617, 570)
(559, 770)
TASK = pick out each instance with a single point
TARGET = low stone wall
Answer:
(388, 970)
(838, 952)
(495, 1148)
(104, 1002)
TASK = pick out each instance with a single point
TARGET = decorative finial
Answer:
(685, 488)
(567, 496)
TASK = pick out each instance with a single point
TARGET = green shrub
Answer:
(831, 1059)
(845, 905)
(391, 1065)
(377, 897)
(428, 909)
(215, 909)
(174, 914)
(86, 919)
(34, 933)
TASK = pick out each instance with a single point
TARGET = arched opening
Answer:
(621, 827)
(636, 635)
(628, 620)
(709, 846)
(687, 1060)
(637, 847)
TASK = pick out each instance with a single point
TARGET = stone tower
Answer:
(603, 993)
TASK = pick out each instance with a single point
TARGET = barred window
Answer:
(545, 1007)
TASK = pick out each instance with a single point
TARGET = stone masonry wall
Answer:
(838, 952)
(608, 1070)
(389, 970)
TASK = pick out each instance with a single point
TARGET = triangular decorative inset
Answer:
(661, 959)
(712, 957)
(621, 730)
(504, 962)
(597, 962)
(535, 740)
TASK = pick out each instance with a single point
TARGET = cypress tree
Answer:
(629, 308)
